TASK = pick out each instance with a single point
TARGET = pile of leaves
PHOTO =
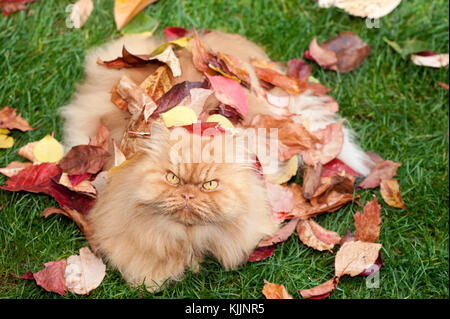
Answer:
(75, 178)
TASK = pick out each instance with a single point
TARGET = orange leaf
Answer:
(368, 224)
(275, 291)
(391, 193)
(126, 10)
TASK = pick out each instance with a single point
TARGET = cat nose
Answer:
(187, 196)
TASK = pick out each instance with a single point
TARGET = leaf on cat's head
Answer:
(84, 159)
(173, 33)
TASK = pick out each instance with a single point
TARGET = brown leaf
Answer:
(201, 56)
(315, 236)
(175, 95)
(390, 192)
(383, 170)
(321, 291)
(355, 257)
(84, 187)
(236, 67)
(293, 137)
(10, 120)
(368, 224)
(267, 71)
(14, 167)
(311, 180)
(101, 138)
(158, 83)
(84, 159)
(298, 69)
(275, 291)
(331, 139)
(343, 53)
(281, 235)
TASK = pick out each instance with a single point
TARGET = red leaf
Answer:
(336, 166)
(43, 178)
(321, 291)
(10, 6)
(262, 253)
(385, 169)
(368, 224)
(51, 278)
(297, 68)
(280, 236)
(77, 179)
(175, 95)
(173, 33)
(230, 92)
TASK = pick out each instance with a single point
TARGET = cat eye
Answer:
(211, 185)
(172, 179)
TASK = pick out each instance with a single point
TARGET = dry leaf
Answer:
(179, 116)
(317, 237)
(281, 235)
(275, 291)
(173, 33)
(321, 291)
(158, 83)
(26, 151)
(201, 56)
(48, 150)
(5, 140)
(14, 167)
(331, 139)
(10, 6)
(84, 187)
(432, 61)
(286, 170)
(311, 180)
(373, 9)
(51, 278)
(355, 257)
(390, 192)
(84, 273)
(384, 169)
(125, 10)
(343, 53)
(177, 94)
(84, 159)
(368, 224)
(10, 120)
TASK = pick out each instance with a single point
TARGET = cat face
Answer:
(202, 192)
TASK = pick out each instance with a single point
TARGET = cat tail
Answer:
(91, 102)
(316, 111)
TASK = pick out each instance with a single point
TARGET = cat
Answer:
(156, 218)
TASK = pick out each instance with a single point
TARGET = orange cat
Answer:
(157, 217)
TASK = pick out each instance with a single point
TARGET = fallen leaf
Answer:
(48, 150)
(407, 47)
(390, 192)
(51, 277)
(267, 71)
(275, 291)
(336, 166)
(262, 253)
(355, 257)
(41, 178)
(293, 138)
(5, 140)
(173, 33)
(315, 236)
(125, 10)
(84, 272)
(179, 116)
(84, 186)
(101, 137)
(158, 83)
(235, 67)
(80, 12)
(385, 169)
(176, 95)
(10, 6)
(10, 120)
(321, 291)
(331, 139)
(230, 92)
(26, 151)
(443, 85)
(281, 235)
(366, 8)
(14, 167)
(286, 170)
(221, 120)
(197, 99)
(432, 61)
(83, 159)
(201, 56)
(368, 224)
(311, 180)
(298, 69)
(343, 53)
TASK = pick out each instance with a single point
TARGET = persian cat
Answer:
(156, 218)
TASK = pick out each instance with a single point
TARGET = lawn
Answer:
(396, 107)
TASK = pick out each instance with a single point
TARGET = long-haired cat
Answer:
(156, 218)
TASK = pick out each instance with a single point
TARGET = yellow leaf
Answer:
(4, 131)
(221, 120)
(179, 116)
(285, 171)
(48, 150)
(125, 10)
(6, 141)
(181, 42)
(390, 191)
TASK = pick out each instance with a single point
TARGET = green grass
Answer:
(396, 107)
